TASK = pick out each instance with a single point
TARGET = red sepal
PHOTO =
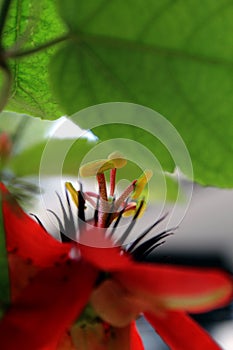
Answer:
(47, 307)
(180, 332)
(26, 238)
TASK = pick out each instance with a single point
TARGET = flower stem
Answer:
(103, 200)
(112, 181)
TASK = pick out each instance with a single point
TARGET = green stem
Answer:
(7, 78)
(6, 85)
(16, 53)
(3, 16)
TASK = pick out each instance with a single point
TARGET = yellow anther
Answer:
(131, 212)
(96, 167)
(74, 194)
(141, 183)
(143, 208)
(118, 159)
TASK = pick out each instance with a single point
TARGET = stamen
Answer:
(112, 181)
(88, 198)
(125, 194)
(73, 192)
(71, 217)
(91, 194)
(110, 214)
(141, 183)
(118, 220)
(102, 186)
(103, 203)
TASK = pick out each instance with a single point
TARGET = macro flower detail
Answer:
(87, 297)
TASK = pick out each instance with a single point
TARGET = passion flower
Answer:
(69, 295)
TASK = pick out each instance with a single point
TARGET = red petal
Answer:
(27, 238)
(106, 259)
(180, 332)
(100, 251)
(21, 273)
(178, 287)
(47, 307)
(136, 341)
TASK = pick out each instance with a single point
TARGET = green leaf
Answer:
(24, 130)
(173, 56)
(42, 159)
(28, 162)
(30, 24)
